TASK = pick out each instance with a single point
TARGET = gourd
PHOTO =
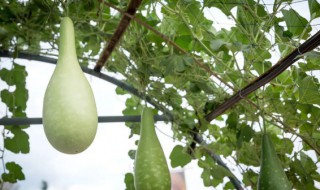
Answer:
(69, 111)
(272, 175)
(151, 170)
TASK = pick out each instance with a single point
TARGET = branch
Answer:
(165, 38)
(266, 77)
(123, 25)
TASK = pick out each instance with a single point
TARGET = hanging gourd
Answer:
(272, 175)
(69, 111)
(151, 170)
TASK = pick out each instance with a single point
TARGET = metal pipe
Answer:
(101, 119)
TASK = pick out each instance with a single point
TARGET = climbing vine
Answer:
(188, 57)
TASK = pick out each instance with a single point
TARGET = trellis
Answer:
(263, 79)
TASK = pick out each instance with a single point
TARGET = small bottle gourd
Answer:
(272, 175)
(69, 111)
(151, 170)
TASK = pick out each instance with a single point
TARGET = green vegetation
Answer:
(197, 55)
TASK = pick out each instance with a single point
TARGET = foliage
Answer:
(15, 139)
(236, 40)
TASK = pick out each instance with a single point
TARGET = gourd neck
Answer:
(147, 123)
(67, 50)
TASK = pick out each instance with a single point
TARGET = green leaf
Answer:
(285, 145)
(248, 157)
(232, 121)
(19, 143)
(261, 67)
(305, 176)
(220, 172)
(216, 44)
(309, 91)
(314, 8)
(15, 173)
(135, 129)
(132, 154)
(206, 177)
(296, 24)
(245, 134)
(19, 74)
(129, 181)
(179, 157)
(21, 97)
(7, 98)
(307, 163)
(250, 177)
(225, 6)
(120, 91)
(6, 75)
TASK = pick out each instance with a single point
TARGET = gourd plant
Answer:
(194, 55)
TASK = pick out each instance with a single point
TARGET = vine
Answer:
(191, 56)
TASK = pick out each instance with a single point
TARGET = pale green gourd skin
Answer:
(151, 170)
(272, 175)
(69, 110)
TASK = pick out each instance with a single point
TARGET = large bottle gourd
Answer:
(69, 111)
(151, 170)
(272, 175)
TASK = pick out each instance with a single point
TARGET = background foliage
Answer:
(257, 35)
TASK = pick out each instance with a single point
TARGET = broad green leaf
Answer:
(216, 44)
(129, 181)
(228, 185)
(7, 76)
(261, 67)
(220, 172)
(299, 169)
(296, 24)
(21, 97)
(312, 59)
(19, 143)
(309, 91)
(206, 177)
(225, 6)
(120, 91)
(314, 8)
(15, 173)
(19, 74)
(250, 177)
(307, 163)
(7, 98)
(232, 121)
(248, 157)
(248, 20)
(179, 157)
(245, 134)
(284, 146)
